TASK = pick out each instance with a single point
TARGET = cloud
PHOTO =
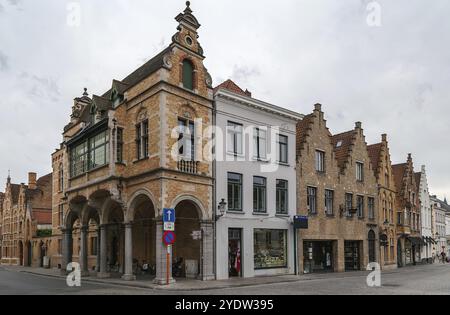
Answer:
(393, 78)
(4, 65)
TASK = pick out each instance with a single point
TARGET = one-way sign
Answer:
(169, 215)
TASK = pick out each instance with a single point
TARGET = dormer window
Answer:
(116, 99)
(188, 75)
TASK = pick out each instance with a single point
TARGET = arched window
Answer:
(188, 75)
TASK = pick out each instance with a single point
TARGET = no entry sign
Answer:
(169, 238)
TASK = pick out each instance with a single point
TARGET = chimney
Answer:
(409, 156)
(248, 93)
(358, 125)
(423, 168)
(384, 137)
(32, 177)
(318, 107)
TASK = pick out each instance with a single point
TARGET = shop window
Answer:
(270, 249)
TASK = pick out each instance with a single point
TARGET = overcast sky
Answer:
(395, 78)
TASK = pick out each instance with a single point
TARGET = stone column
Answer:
(103, 250)
(66, 249)
(84, 251)
(340, 256)
(129, 276)
(97, 264)
(207, 251)
(161, 258)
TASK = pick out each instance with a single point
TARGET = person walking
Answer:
(443, 257)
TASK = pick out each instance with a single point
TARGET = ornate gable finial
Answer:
(187, 18)
(8, 180)
(85, 92)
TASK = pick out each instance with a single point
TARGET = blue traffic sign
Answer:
(169, 215)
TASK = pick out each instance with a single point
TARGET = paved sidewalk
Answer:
(180, 285)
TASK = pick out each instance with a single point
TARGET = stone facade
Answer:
(108, 203)
(381, 164)
(337, 239)
(409, 238)
(26, 217)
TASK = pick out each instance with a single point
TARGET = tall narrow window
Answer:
(348, 204)
(61, 177)
(282, 197)
(329, 202)
(119, 142)
(359, 171)
(61, 215)
(371, 207)
(282, 149)
(234, 138)
(312, 200)
(320, 161)
(142, 140)
(186, 139)
(260, 143)
(259, 194)
(188, 75)
(360, 206)
(234, 192)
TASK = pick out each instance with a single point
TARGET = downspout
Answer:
(214, 164)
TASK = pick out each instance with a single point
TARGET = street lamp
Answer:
(222, 208)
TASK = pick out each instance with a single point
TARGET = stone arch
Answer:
(71, 217)
(136, 198)
(201, 209)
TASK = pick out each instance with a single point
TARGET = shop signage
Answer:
(301, 222)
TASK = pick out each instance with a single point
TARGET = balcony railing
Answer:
(190, 167)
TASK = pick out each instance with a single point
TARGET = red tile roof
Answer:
(374, 151)
(42, 216)
(232, 87)
(345, 141)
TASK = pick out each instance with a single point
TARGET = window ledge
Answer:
(255, 159)
(121, 163)
(239, 155)
(283, 164)
(282, 215)
(236, 212)
(264, 214)
(140, 160)
(331, 216)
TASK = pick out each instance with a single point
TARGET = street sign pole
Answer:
(168, 265)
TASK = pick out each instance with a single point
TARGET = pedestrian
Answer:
(443, 257)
